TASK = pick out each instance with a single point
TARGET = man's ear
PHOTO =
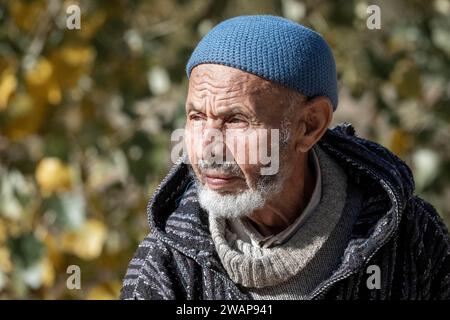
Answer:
(316, 115)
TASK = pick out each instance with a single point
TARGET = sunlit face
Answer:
(224, 99)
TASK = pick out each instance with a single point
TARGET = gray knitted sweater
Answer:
(295, 268)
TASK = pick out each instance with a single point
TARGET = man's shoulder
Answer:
(422, 215)
(369, 163)
(149, 261)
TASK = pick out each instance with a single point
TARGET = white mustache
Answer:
(227, 167)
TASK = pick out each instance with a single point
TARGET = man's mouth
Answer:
(219, 180)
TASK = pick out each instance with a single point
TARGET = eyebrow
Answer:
(190, 105)
(231, 110)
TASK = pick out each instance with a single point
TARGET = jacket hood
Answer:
(385, 179)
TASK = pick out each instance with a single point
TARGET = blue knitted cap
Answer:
(274, 48)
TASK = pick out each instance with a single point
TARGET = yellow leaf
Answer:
(400, 142)
(40, 74)
(92, 23)
(21, 105)
(3, 234)
(77, 55)
(407, 80)
(105, 291)
(53, 251)
(48, 273)
(54, 94)
(28, 111)
(70, 62)
(52, 175)
(8, 85)
(87, 242)
(5, 260)
(26, 13)
(99, 293)
(42, 83)
(26, 116)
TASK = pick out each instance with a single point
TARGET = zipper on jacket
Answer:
(323, 289)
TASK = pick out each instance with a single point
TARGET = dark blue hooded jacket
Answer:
(395, 230)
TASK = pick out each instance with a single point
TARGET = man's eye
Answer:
(196, 117)
(236, 120)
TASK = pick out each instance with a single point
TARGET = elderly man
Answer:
(338, 218)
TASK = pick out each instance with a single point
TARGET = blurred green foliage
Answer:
(86, 117)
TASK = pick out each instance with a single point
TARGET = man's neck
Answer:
(285, 207)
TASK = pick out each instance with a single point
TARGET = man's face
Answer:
(231, 102)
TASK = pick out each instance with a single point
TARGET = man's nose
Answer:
(213, 141)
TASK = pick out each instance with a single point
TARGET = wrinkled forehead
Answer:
(220, 79)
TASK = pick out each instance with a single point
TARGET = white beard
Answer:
(230, 206)
(240, 204)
